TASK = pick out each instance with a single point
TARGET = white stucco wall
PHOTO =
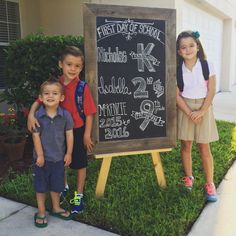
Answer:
(210, 28)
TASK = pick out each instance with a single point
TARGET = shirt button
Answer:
(51, 121)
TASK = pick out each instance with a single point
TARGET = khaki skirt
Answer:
(204, 132)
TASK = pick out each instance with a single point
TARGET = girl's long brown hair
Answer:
(185, 34)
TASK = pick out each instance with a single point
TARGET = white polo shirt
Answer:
(195, 86)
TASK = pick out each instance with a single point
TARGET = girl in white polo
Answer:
(194, 101)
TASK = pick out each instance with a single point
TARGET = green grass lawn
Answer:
(133, 203)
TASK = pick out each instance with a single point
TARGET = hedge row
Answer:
(29, 62)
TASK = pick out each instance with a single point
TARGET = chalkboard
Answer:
(130, 67)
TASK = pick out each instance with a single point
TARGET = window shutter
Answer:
(2, 65)
(9, 30)
(13, 21)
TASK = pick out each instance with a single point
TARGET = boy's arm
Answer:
(38, 149)
(87, 133)
(32, 122)
(69, 145)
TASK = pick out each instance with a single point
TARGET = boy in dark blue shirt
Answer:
(53, 145)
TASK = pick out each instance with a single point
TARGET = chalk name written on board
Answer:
(111, 120)
(129, 28)
(112, 109)
(116, 86)
(147, 109)
(108, 56)
(141, 91)
(144, 57)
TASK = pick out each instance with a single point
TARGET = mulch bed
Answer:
(7, 168)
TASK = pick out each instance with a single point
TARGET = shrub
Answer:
(29, 62)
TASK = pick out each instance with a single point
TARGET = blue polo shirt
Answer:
(52, 133)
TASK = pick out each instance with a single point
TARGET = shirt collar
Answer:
(42, 112)
(197, 64)
(74, 81)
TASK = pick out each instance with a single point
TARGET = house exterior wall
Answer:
(215, 20)
(29, 16)
(210, 28)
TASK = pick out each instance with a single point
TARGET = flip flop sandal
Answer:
(60, 215)
(40, 225)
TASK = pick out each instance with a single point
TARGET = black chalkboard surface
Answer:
(130, 75)
(131, 78)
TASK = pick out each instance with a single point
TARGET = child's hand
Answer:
(196, 115)
(197, 121)
(67, 159)
(88, 143)
(32, 122)
(40, 161)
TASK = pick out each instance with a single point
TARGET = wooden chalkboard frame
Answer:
(90, 12)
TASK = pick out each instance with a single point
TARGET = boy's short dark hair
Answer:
(51, 80)
(72, 50)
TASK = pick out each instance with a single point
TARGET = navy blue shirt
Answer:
(52, 133)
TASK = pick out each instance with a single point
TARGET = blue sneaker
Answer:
(64, 194)
(211, 195)
(77, 203)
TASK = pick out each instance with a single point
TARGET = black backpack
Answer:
(180, 81)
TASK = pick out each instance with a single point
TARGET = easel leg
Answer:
(156, 159)
(102, 178)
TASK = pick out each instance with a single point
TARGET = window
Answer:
(9, 30)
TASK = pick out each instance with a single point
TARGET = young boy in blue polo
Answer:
(53, 145)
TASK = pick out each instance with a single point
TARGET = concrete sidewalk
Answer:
(219, 218)
(16, 219)
(224, 105)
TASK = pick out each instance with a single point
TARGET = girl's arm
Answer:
(211, 87)
(182, 104)
(69, 147)
(185, 108)
(87, 133)
(32, 122)
(38, 149)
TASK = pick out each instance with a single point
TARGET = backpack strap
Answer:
(180, 81)
(79, 97)
(205, 69)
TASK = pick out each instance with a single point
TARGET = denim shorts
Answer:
(49, 178)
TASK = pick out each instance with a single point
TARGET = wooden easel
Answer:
(106, 163)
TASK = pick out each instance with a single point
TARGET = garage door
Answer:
(234, 78)
(211, 31)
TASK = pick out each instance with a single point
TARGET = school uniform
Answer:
(194, 93)
(50, 177)
(79, 154)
